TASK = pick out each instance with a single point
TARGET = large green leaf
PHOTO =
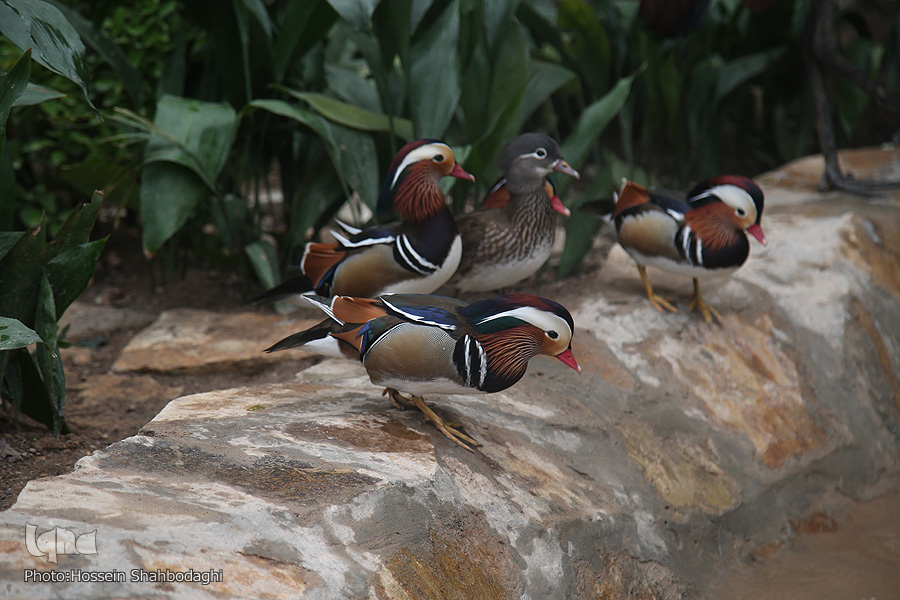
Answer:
(14, 334)
(77, 227)
(48, 359)
(357, 12)
(264, 259)
(594, 120)
(12, 86)
(33, 396)
(304, 24)
(35, 94)
(434, 75)
(20, 276)
(42, 27)
(355, 117)
(352, 153)
(580, 231)
(498, 17)
(740, 70)
(169, 195)
(71, 271)
(544, 79)
(198, 135)
(189, 147)
(8, 239)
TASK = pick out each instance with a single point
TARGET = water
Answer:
(858, 560)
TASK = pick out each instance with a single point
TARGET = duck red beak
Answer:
(756, 231)
(568, 359)
(461, 173)
(559, 207)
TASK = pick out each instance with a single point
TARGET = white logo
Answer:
(58, 540)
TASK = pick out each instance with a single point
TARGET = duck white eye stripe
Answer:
(413, 259)
(425, 152)
(541, 319)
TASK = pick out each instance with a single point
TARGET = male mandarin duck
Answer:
(511, 236)
(701, 236)
(417, 255)
(420, 344)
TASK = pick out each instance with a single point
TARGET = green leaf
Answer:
(498, 20)
(169, 195)
(14, 334)
(35, 400)
(35, 94)
(71, 271)
(355, 117)
(41, 26)
(198, 135)
(189, 148)
(8, 239)
(580, 231)
(77, 227)
(434, 75)
(12, 86)
(740, 70)
(357, 169)
(544, 79)
(594, 120)
(114, 56)
(264, 259)
(304, 24)
(357, 12)
(8, 202)
(20, 277)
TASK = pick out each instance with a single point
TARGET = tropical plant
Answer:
(39, 280)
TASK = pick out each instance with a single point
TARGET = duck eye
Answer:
(741, 212)
(552, 335)
(540, 153)
(438, 158)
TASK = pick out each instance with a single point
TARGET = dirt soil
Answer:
(122, 279)
(103, 408)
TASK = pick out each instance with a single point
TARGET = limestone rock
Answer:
(186, 339)
(682, 448)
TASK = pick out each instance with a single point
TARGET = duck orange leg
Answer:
(705, 309)
(658, 302)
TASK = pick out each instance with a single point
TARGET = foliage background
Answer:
(191, 115)
(206, 106)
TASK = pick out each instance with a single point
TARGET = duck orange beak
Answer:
(461, 173)
(568, 359)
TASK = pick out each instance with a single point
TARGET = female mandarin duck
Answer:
(700, 237)
(419, 344)
(417, 255)
(511, 236)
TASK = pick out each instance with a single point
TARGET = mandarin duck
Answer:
(420, 344)
(699, 237)
(511, 236)
(417, 255)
